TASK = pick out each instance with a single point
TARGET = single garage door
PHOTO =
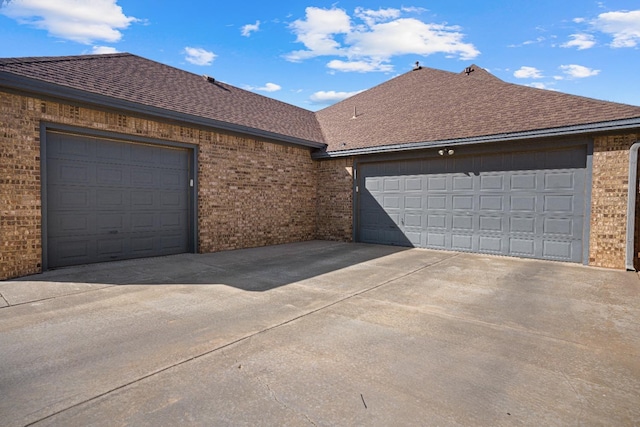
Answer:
(528, 204)
(110, 200)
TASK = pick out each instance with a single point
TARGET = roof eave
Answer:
(39, 87)
(607, 126)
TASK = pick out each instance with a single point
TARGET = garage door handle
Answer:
(113, 232)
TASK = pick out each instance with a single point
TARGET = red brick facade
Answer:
(335, 200)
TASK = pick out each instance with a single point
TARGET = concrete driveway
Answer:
(321, 333)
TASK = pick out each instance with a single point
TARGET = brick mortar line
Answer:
(239, 340)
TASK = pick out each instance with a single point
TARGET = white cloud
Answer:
(316, 32)
(580, 41)
(413, 9)
(331, 96)
(199, 56)
(538, 85)
(371, 17)
(83, 21)
(578, 71)
(578, 20)
(269, 87)
(623, 26)
(370, 38)
(250, 28)
(101, 50)
(358, 66)
(528, 73)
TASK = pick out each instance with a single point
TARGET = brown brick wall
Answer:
(335, 199)
(251, 192)
(609, 200)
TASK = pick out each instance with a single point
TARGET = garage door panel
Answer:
(143, 177)
(490, 223)
(558, 203)
(523, 182)
(436, 202)
(107, 222)
(71, 198)
(462, 223)
(522, 246)
(462, 183)
(462, 242)
(519, 224)
(69, 251)
(492, 182)
(436, 221)
(557, 250)
(524, 204)
(110, 151)
(491, 203)
(111, 176)
(143, 221)
(110, 200)
(463, 202)
(436, 240)
(76, 149)
(490, 244)
(437, 183)
(413, 184)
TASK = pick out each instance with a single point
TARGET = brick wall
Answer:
(609, 200)
(335, 199)
(251, 192)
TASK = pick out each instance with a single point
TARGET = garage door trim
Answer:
(530, 146)
(192, 149)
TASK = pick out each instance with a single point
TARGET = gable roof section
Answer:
(128, 80)
(431, 106)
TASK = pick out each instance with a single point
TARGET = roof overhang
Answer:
(608, 126)
(39, 87)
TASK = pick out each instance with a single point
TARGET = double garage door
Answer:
(110, 200)
(526, 204)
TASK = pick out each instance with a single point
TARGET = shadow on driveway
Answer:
(256, 269)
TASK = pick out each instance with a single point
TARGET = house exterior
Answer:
(107, 157)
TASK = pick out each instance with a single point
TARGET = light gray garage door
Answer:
(110, 200)
(528, 204)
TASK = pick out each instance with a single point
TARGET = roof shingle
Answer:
(135, 79)
(424, 105)
(428, 105)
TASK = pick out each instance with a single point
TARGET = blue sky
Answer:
(314, 53)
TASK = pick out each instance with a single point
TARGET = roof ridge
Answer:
(44, 59)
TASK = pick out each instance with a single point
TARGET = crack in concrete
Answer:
(245, 373)
(281, 403)
(580, 397)
(239, 340)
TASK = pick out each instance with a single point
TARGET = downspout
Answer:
(631, 205)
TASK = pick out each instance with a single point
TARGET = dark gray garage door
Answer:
(527, 204)
(109, 200)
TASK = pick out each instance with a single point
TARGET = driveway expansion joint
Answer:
(5, 300)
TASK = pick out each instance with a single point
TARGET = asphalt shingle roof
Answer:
(132, 78)
(425, 105)
(433, 105)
